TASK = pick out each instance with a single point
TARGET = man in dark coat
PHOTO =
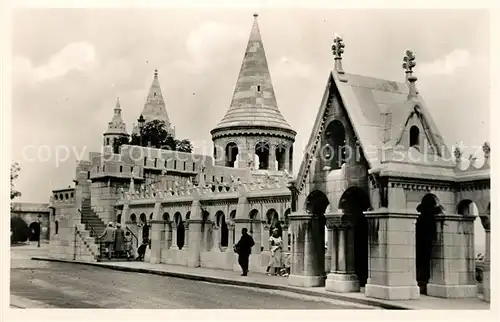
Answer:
(244, 248)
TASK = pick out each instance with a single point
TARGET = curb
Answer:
(218, 280)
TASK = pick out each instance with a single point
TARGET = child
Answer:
(142, 250)
(128, 244)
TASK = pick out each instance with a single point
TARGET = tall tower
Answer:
(253, 133)
(154, 107)
(116, 128)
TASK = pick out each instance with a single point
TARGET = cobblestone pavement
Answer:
(36, 284)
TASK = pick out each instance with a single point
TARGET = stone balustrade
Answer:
(206, 189)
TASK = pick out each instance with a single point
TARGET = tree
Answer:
(155, 134)
(118, 142)
(183, 146)
(14, 173)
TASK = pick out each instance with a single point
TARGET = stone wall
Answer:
(33, 212)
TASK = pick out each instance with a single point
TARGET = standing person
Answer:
(108, 238)
(275, 245)
(128, 245)
(119, 240)
(244, 248)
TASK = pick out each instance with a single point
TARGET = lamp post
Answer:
(141, 122)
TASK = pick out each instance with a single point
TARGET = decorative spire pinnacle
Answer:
(117, 107)
(254, 101)
(408, 64)
(255, 14)
(338, 49)
(156, 73)
(458, 155)
(486, 150)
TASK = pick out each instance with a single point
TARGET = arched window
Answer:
(262, 153)
(231, 154)
(280, 157)
(414, 136)
(335, 149)
(119, 218)
(180, 230)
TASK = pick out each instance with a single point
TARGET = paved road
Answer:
(41, 284)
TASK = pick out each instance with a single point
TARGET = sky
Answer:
(70, 65)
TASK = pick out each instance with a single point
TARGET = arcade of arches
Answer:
(388, 255)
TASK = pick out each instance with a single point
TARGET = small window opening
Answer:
(414, 136)
(184, 165)
(121, 168)
(175, 164)
(145, 160)
(258, 88)
(156, 159)
(194, 166)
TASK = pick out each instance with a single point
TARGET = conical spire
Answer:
(154, 108)
(117, 126)
(254, 102)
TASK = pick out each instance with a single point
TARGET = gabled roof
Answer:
(254, 101)
(378, 110)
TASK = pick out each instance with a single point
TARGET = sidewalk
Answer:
(280, 283)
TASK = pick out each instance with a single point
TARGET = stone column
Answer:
(216, 238)
(392, 274)
(306, 271)
(266, 235)
(255, 231)
(230, 244)
(174, 236)
(285, 237)
(486, 267)
(166, 227)
(343, 279)
(195, 235)
(272, 158)
(286, 166)
(453, 266)
(186, 236)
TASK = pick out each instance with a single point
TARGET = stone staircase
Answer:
(91, 220)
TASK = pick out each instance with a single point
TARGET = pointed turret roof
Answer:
(254, 101)
(117, 126)
(154, 108)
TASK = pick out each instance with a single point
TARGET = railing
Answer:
(97, 239)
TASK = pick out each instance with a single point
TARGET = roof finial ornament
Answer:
(408, 64)
(118, 102)
(156, 73)
(255, 14)
(338, 49)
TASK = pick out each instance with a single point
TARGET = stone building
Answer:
(36, 217)
(395, 201)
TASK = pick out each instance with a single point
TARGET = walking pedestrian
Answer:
(244, 248)
(119, 240)
(108, 238)
(276, 246)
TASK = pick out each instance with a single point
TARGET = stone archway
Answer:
(425, 237)
(316, 204)
(35, 230)
(353, 202)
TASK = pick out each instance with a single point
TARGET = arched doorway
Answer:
(145, 229)
(316, 204)
(354, 201)
(20, 230)
(119, 218)
(180, 229)
(224, 232)
(205, 231)
(425, 235)
(35, 231)
(272, 218)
